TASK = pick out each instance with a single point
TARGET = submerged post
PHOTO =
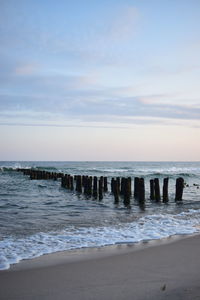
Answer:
(100, 189)
(165, 189)
(152, 190)
(116, 191)
(127, 191)
(95, 187)
(71, 183)
(64, 181)
(136, 187)
(122, 188)
(112, 185)
(157, 189)
(79, 183)
(179, 189)
(105, 184)
(141, 190)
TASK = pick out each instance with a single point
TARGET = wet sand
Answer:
(169, 269)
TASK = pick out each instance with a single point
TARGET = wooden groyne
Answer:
(121, 188)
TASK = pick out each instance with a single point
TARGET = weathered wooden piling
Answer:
(68, 184)
(130, 184)
(118, 182)
(157, 189)
(83, 177)
(112, 185)
(102, 181)
(89, 190)
(179, 188)
(71, 183)
(95, 193)
(79, 183)
(136, 187)
(100, 188)
(64, 181)
(152, 190)
(32, 175)
(85, 186)
(116, 190)
(165, 189)
(141, 190)
(127, 191)
(105, 184)
(122, 188)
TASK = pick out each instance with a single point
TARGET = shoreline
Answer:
(155, 269)
(88, 253)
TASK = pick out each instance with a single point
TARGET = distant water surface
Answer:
(39, 216)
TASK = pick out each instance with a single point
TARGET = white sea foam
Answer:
(13, 250)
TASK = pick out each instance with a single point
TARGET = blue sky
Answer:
(99, 80)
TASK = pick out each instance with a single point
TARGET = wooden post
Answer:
(127, 191)
(102, 182)
(79, 184)
(122, 189)
(165, 189)
(89, 190)
(68, 182)
(86, 185)
(71, 183)
(112, 185)
(118, 182)
(130, 184)
(141, 191)
(179, 188)
(83, 180)
(116, 191)
(136, 187)
(152, 190)
(64, 181)
(100, 189)
(95, 187)
(157, 189)
(105, 184)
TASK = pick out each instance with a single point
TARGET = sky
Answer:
(100, 80)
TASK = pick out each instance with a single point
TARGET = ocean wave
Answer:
(145, 228)
(9, 169)
(45, 168)
(170, 175)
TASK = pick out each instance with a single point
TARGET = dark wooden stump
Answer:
(141, 190)
(127, 191)
(100, 189)
(95, 187)
(152, 190)
(116, 191)
(165, 189)
(79, 183)
(105, 184)
(179, 189)
(157, 189)
(136, 187)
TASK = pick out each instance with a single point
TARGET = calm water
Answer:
(39, 216)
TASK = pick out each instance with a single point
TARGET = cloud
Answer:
(84, 108)
(30, 92)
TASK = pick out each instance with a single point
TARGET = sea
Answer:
(39, 217)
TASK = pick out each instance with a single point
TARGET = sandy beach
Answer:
(155, 270)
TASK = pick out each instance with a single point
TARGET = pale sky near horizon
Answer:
(100, 80)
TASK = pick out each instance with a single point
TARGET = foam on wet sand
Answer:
(153, 270)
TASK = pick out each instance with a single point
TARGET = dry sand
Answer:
(162, 271)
